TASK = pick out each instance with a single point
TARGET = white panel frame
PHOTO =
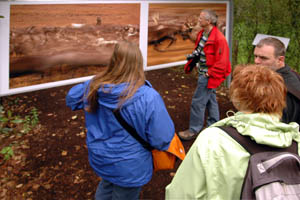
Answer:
(144, 10)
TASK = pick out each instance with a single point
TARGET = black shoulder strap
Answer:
(251, 146)
(297, 74)
(292, 89)
(131, 130)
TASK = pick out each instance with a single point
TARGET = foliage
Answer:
(11, 125)
(278, 18)
(7, 152)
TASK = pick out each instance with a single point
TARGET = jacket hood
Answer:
(110, 94)
(263, 128)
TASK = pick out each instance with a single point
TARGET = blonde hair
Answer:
(257, 89)
(126, 66)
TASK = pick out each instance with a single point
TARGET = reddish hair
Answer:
(257, 89)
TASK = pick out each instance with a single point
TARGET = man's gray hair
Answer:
(211, 15)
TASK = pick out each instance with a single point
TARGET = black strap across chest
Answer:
(132, 130)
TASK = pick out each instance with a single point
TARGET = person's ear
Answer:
(281, 60)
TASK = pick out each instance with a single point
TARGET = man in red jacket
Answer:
(211, 58)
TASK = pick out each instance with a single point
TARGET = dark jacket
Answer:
(292, 112)
(217, 58)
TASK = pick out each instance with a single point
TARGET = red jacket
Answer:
(217, 58)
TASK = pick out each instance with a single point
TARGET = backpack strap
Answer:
(131, 130)
(251, 146)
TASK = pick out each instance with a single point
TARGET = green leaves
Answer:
(34, 116)
(12, 125)
(278, 18)
(7, 152)
(17, 121)
(6, 130)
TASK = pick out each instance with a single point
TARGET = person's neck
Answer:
(279, 67)
(282, 66)
(208, 28)
(246, 111)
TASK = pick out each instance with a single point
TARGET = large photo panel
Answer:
(54, 42)
(168, 41)
(48, 43)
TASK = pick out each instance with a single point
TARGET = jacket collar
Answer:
(263, 128)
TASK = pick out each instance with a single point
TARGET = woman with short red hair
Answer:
(216, 164)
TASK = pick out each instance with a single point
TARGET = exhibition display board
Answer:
(48, 44)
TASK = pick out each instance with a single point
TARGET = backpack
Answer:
(272, 173)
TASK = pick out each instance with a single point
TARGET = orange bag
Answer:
(164, 160)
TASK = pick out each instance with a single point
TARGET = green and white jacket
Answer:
(216, 164)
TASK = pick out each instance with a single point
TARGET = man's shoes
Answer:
(187, 135)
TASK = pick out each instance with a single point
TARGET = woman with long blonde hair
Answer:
(123, 164)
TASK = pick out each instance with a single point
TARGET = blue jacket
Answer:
(113, 153)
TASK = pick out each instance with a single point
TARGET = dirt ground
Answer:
(50, 162)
